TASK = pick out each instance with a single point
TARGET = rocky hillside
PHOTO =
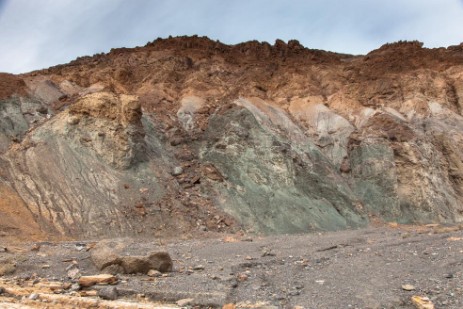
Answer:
(186, 136)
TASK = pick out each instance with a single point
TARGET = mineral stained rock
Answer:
(266, 138)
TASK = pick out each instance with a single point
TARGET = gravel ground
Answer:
(367, 268)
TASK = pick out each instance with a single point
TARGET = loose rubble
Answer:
(376, 268)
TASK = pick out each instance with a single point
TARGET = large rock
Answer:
(160, 261)
(111, 261)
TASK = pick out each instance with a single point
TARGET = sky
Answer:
(36, 34)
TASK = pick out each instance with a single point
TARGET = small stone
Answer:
(294, 293)
(80, 247)
(199, 267)
(422, 302)
(89, 293)
(2, 290)
(408, 287)
(109, 293)
(74, 287)
(45, 266)
(154, 273)
(67, 285)
(185, 302)
(34, 296)
(73, 120)
(178, 170)
(267, 252)
(3, 249)
(249, 258)
(35, 247)
(86, 281)
(242, 277)
(73, 273)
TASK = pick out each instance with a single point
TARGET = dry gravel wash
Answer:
(350, 269)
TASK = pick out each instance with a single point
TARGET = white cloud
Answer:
(41, 33)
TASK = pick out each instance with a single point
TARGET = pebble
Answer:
(154, 273)
(74, 287)
(185, 302)
(73, 120)
(34, 296)
(294, 293)
(80, 247)
(178, 170)
(267, 252)
(422, 302)
(242, 277)
(408, 287)
(108, 293)
(73, 273)
(199, 267)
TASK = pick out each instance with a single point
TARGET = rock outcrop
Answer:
(187, 135)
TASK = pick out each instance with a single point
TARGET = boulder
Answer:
(110, 261)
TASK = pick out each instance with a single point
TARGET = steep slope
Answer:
(186, 135)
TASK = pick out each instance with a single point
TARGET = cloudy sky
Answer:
(36, 34)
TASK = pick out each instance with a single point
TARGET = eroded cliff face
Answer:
(186, 135)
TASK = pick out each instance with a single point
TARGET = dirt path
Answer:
(368, 268)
